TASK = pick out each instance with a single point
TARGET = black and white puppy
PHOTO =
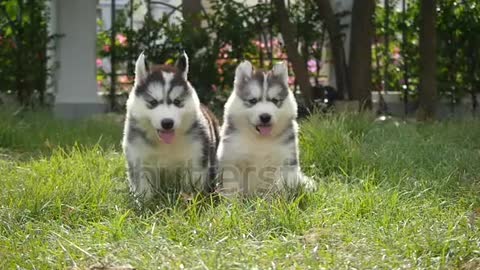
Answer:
(167, 130)
(259, 151)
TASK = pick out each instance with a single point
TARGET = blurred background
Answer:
(394, 57)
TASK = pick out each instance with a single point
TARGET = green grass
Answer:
(391, 195)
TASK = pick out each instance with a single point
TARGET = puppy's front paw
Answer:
(308, 183)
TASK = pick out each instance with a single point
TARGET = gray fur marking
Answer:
(208, 159)
(275, 80)
(199, 132)
(258, 78)
(292, 162)
(134, 171)
(289, 134)
(290, 138)
(242, 87)
(134, 132)
(141, 89)
(230, 128)
(178, 81)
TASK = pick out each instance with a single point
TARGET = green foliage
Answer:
(459, 47)
(400, 53)
(23, 47)
(458, 43)
(230, 32)
(212, 59)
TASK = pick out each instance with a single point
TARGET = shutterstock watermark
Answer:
(228, 179)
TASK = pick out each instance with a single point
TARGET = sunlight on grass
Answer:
(390, 196)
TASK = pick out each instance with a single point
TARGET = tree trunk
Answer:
(386, 75)
(338, 52)
(428, 62)
(298, 62)
(360, 67)
(191, 10)
(20, 76)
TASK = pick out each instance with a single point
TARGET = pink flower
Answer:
(291, 80)
(225, 55)
(221, 62)
(312, 65)
(122, 39)
(106, 48)
(214, 88)
(226, 48)
(275, 42)
(99, 62)
(123, 79)
(396, 56)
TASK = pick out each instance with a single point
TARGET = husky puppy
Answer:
(167, 130)
(258, 151)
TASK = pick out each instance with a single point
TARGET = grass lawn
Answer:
(391, 196)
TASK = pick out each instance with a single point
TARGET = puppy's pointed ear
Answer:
(280, 70)
(243, 72)
(182, 65)
(141, 72)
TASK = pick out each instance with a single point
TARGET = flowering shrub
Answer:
(458, 25)
(232, 32)
(23, 49)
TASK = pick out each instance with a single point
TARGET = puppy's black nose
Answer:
(265, 118)
(167, 124)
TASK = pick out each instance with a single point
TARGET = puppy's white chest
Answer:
(179, 154)
(263, 152)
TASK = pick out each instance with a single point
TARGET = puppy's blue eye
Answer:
(275, 101)
(253, 101)
(153, 103)
(177, 102)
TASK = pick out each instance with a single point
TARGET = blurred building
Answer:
(157, 9)
(73, 61)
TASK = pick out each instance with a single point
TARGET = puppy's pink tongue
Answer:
(265, 130)
(167, 136)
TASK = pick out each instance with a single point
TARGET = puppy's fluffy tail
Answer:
(213, 124)
(214, 138)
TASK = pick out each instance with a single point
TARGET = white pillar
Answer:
(76, 53)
